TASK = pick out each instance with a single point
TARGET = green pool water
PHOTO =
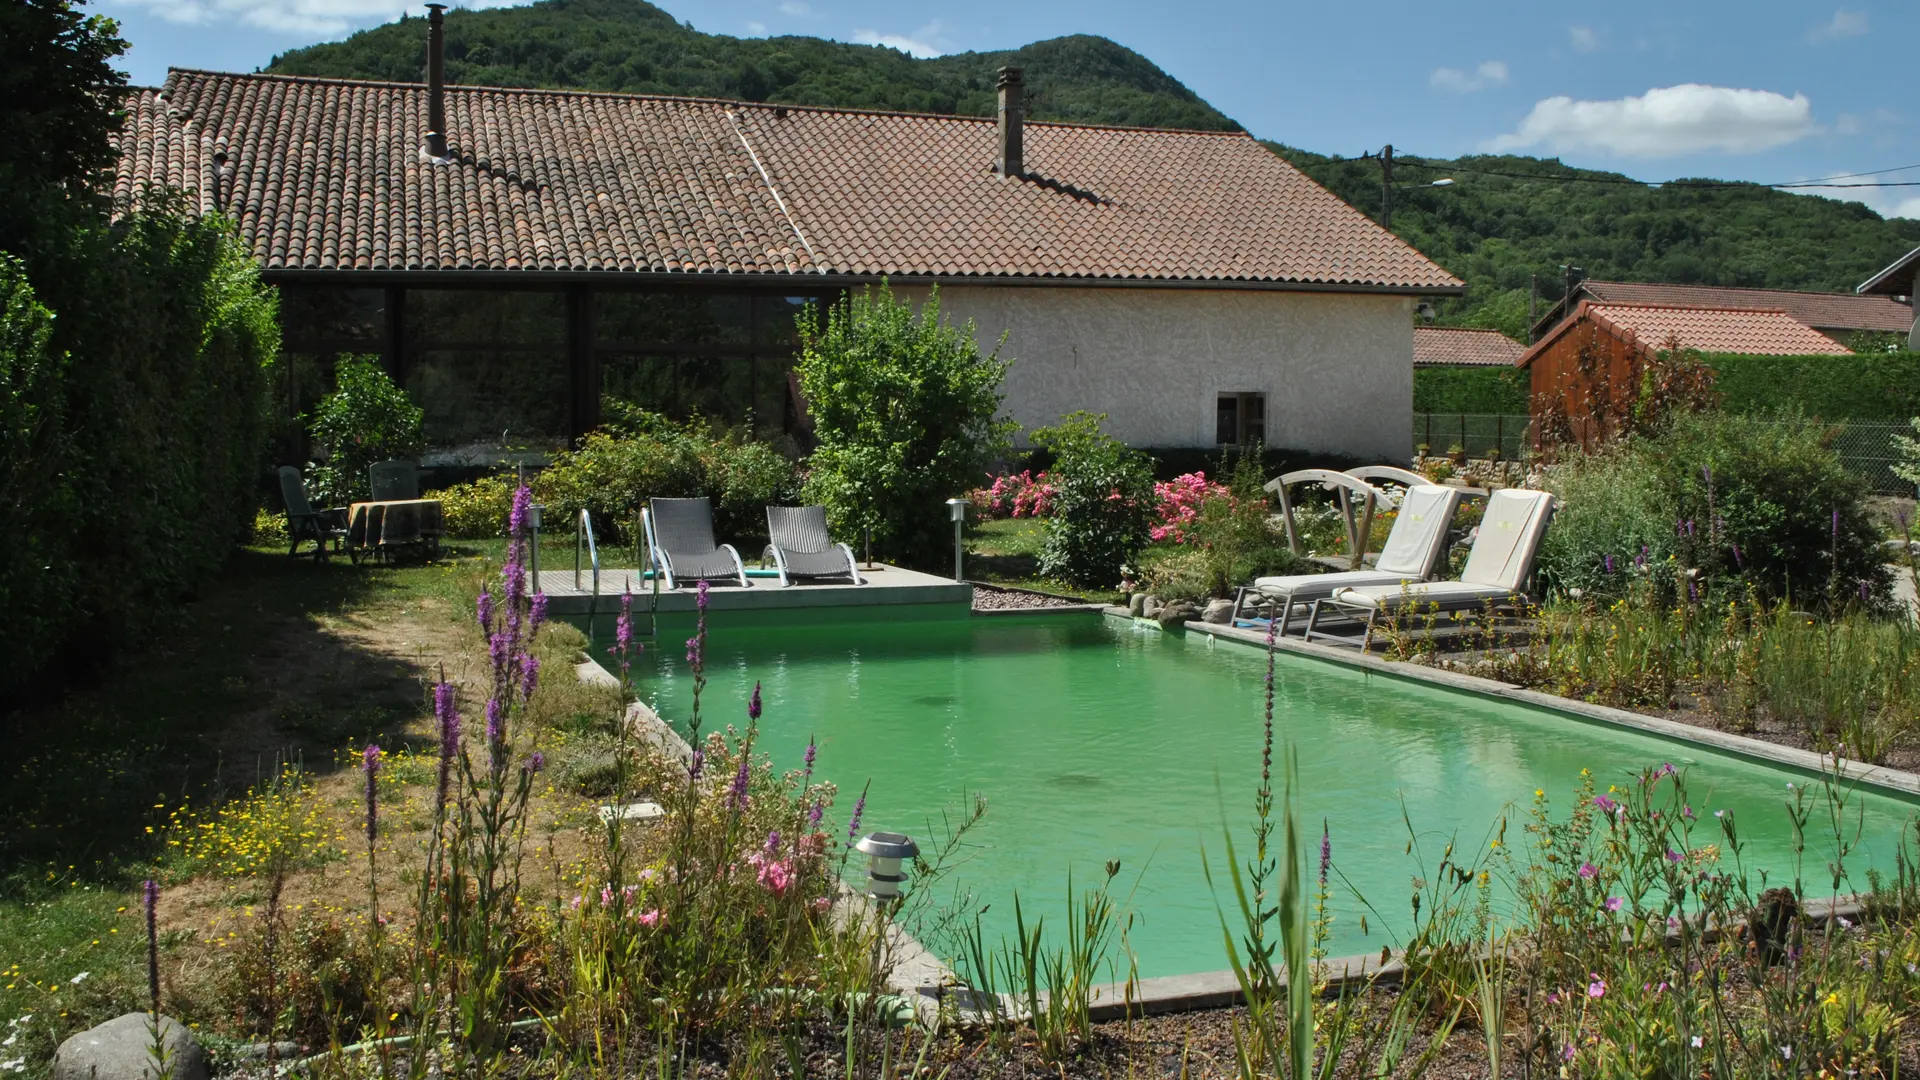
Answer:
(1092, 740)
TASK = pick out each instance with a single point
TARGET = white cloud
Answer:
(308, 17)
(757, 29)
(1584, 38)
(1844, 24)
(795, 8)
(1848, 124)
(1666, 121)
(921, 43)
(1489, 73)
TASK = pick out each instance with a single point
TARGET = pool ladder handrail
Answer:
(583, 530)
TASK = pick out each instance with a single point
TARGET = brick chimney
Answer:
(1012, 161)
(436, 146)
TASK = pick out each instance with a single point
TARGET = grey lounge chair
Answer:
(1415, 551)
(802, 548)
(1497, 570)
(680, 543)
(392, 481)
(327, 529)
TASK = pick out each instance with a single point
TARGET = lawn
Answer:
(279, 662)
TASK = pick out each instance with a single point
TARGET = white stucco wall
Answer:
(1337, 369)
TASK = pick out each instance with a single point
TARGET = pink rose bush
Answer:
(1178, 504)
(1019, 494)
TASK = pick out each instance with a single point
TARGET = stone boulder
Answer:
(122, 1049)
(1150, 607)
(1218, 611)
(1136, 604)
(1176, 613)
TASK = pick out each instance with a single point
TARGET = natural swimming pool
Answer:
(1091, 741)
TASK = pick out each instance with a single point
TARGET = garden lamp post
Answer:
(884, 851)
(957, 509)
(533, 546)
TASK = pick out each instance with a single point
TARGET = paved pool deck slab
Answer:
(885, 585)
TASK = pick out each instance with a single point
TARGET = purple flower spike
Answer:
(700, 595)
(814, 814)
(447, 712)
(1866, 592)
(773, 842)
(737, 796)
(853, 823)
(495, 728)
(807, 761)
(539, 613)
(529, 677)
(522, 506)
(483, 610)
(537, 762)
(753, 703)
(1608, 561)
(1326, 854)
(696, 765)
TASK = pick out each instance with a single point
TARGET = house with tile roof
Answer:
(514, 255)
(1464, 346)
(1837, 315)
(1900, 280)
(1592, 361)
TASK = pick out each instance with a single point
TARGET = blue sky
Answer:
(1762, 90)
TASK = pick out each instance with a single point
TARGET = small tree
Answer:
(1103, 502)
(367, 419)
(906, 413)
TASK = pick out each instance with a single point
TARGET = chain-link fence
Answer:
(1866, 446)
(1476, 433)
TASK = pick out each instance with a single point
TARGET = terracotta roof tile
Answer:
(1828, 311)
(328, 175)
(1713, 330)
(1459, 346)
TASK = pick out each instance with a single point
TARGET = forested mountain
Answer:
(632, 46)
(1491, 230)
(1496, 224)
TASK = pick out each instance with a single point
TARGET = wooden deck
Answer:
(885, 585)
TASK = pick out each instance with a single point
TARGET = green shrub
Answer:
(1103, 502)
(1501, 390)
(136, 469)
(477, 510)
(367, 419)
(614, 473)
(1868, 386)
(1760, 501)
(905, 409)
(1234, 532)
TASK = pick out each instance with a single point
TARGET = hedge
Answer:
(1470, 390)
(132, 398)
(1867, 386)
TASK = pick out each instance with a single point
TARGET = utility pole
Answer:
(1533, 304)
(1386, 187)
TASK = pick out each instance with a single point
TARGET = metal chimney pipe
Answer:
(436, 81)
(1012, 159)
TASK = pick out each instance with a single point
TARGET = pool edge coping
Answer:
(1896, 782)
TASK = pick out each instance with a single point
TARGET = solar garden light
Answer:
(957, 509)
(884, 851)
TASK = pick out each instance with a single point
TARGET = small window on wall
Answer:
(1241, 419)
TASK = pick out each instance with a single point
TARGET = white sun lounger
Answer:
(1415, 550)
(1497, 570)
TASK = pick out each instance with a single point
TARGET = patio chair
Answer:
(1415, 551)
(1498, 568)
(304, 523)
(680, 543)
(393, 481)
(802, 548)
